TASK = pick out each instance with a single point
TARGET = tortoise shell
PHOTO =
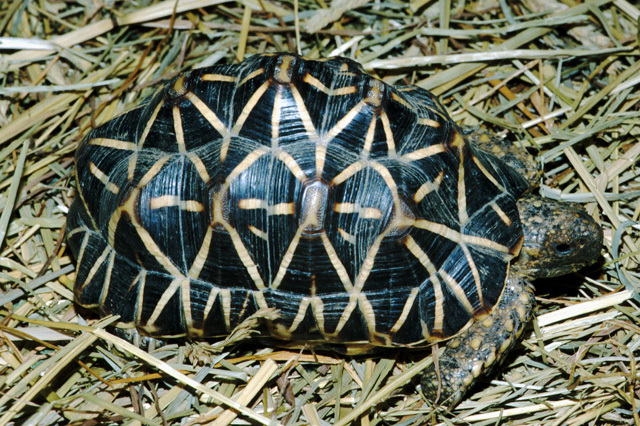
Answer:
(354, 208)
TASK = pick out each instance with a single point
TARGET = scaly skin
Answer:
(481, 346)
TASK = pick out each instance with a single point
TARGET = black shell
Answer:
(354, 208)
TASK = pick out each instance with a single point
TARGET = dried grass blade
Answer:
(46, 372)
(166, 368)
(13, 192)
(385, 391)
(245, 396)
(584, 308)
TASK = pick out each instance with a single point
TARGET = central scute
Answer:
(313, 207)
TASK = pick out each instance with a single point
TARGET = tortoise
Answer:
(358, 210)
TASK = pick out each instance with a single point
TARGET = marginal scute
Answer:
(285, 69)
(375, 93)
(180, 87)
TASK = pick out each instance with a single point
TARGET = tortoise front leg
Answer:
(481, 346)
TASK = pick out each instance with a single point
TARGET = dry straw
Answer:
(560, 77)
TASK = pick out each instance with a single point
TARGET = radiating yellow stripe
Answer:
(421, 153)
(428, 122)
(219, 77)
(340, 91)
(251, 76)
(207, 113)
(113, 143)
(103, 178)
(175, 201)
(248, 107)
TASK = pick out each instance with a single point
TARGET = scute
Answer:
(354, 208)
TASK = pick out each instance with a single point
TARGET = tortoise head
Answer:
(559, 238)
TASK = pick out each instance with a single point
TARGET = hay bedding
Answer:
(562, 77)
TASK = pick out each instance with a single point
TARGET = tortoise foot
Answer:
(480, 347)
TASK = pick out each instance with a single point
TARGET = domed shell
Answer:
(354, 208)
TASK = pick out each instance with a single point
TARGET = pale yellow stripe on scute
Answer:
(175, 201)
(421, 153)
(291, 164)
(456, 236)
(141, 282)
(200, 167)
(207, 113)
(171, 290)
(345, 208)
(346, 314)
(203, 254)
(213, 295)
(344, 122)
(386, 125)
(424, 190)
(363, 212)
(368, 313)
(304, 115)
(245, 257)
(484, 242)
(350, 238)
(368, 139)
(249, 106)
(219, 77)
(258, 296)
(185, 298)
(302, 312)
(438, 310)
(317, 305)
(503, 216)
(474, 272)
(440, 229)
(458, 291)
(367, 263)
(155, 251)
(463, 216)
(411, 300)
(273, 210)
(113, 224)
(107, 278)
(248, 160)
(281, 209)
(177, 129)
(131, 165)
(113, 143)
(321, 153)
(487, 174)
(428, 122)
(275, 119)
(348, 171)
(286, 259)
(340, 91)
(370, 213)
(391, 184)
(103, 178)
(225, 302)
(400, 100)
(337, 263)
(419, 254)
(99, 262)
(153, 171)
(252, 75)
(83, 244)
(252, 203)
(258, 232)
(149, 124)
